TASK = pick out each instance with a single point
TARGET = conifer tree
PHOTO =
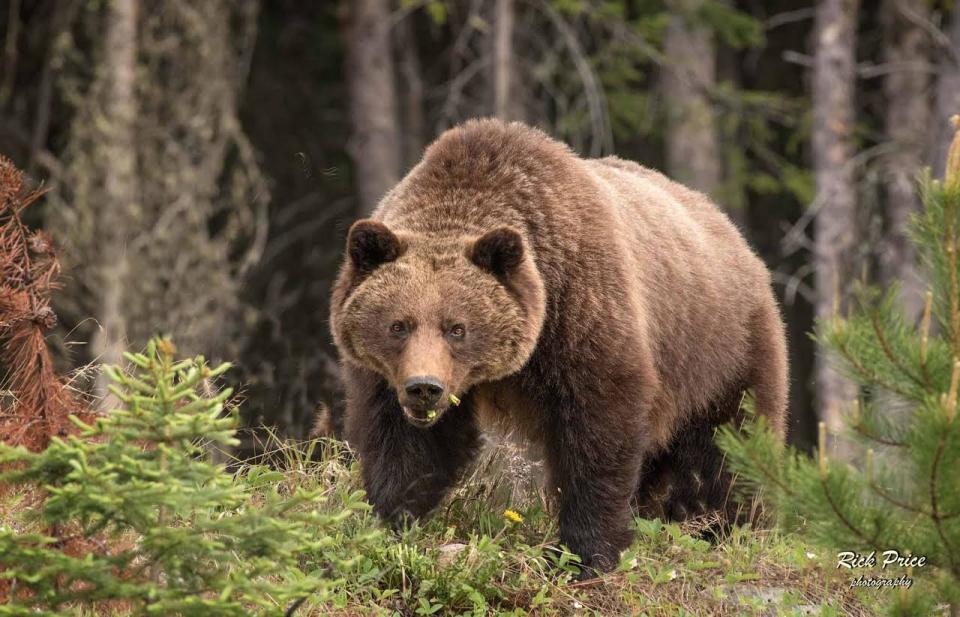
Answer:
(905, 493)
(133, 519)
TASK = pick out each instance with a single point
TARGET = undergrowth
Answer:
(131, 518)
(490, 548)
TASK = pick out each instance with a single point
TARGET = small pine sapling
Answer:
(146, 525)
(905, 496)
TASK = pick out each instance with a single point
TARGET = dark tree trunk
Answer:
(374, 146)
(414, 124)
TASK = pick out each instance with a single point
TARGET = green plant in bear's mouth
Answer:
(132, 513)
(432, 413)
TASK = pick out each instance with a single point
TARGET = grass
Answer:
(490, 549)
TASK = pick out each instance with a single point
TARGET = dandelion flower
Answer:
(513, 516)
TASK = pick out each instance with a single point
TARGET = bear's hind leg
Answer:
(688, 479)
(768, 375)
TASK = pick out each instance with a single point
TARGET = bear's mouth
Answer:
(424, 418)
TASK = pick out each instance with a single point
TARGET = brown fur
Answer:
(612, 314)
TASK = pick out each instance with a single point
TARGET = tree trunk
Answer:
(374, 145)
(414, 124)
(907, 121)
(63, 16)
(692, 149)
(503, 20)
(120, 179)
(948, 96)
(10, 52)
(835, 224)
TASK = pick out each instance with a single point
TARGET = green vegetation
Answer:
(904, 495)
(129, 518)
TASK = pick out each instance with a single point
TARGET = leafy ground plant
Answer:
(490, 549)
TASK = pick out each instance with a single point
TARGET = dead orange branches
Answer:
(34, 401)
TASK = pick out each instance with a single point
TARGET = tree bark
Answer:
(835, 224)
(693, 156)
(10, 52)
(947, 98)
(374, 146)
(907, 122)
(503, 20)
(120, 179)
(414, 124)
(63, 16)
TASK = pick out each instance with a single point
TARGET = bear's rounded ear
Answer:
(371, 244)
(499, 251)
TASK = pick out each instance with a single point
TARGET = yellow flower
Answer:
(513, 516)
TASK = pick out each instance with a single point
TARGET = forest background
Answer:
(204, 159)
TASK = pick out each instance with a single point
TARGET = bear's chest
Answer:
(504, 413)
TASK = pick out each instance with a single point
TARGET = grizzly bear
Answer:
(610, 315)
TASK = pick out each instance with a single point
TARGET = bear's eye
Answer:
(458, 331)
(398, 327)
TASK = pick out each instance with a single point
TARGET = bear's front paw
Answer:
(595, 564)
(397, 519)
(599, 553)
(588, 563)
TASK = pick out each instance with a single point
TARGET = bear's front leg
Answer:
(594, 454)
(406, 470)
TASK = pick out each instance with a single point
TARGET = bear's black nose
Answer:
(425, 389)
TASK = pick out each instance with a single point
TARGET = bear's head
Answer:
(436, 315)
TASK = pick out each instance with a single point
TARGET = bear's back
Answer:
(692, 272)
(620, 248)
